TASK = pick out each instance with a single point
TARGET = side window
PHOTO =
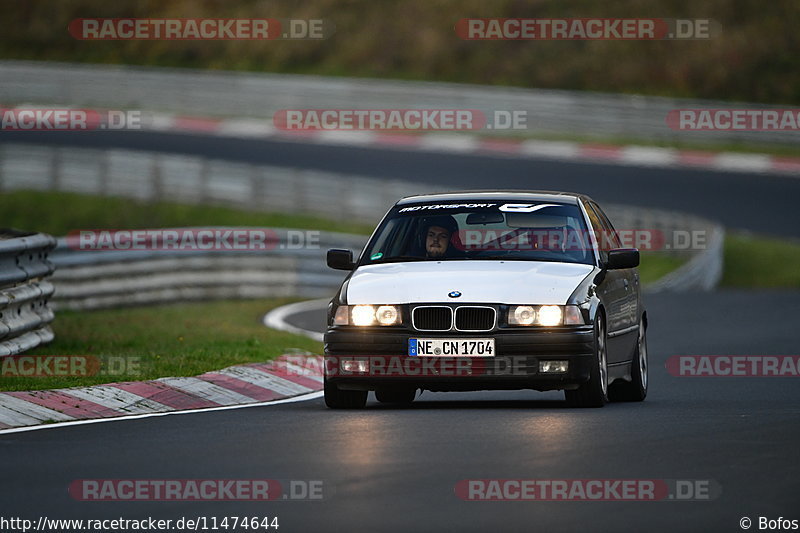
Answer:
(612, 233)
(601, 232)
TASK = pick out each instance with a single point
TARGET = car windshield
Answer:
(479, 230)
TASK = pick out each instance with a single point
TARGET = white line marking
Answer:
(742, 162)
(161, 122)
(555, 149)
(303, 398)
(117, 399)
(642, 155)
(448, 142)
(246, 128)
(276, 319)
(207, 390)
(28, 410)
(353, 138)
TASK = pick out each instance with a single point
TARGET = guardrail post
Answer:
(24, 291)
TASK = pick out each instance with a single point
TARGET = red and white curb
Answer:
(470, 144)
(236, 386)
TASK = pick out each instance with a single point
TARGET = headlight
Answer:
(367, 315)
(363, 315)
(521, 315)
(544, 315)
(550, 315)
(387, 315)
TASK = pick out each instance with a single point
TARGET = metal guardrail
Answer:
(25, 313)
(702, 271)
(259, 96)
(119, 278)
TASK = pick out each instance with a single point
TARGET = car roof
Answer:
(455, 196)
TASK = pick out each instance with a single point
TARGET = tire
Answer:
(594, 393)
(636, 389)
(398, 396)
(336, 398)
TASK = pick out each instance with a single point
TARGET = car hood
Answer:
(508, 282)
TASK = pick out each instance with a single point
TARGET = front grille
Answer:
(475, 318)
(434, 318)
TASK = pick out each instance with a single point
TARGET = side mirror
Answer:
(340, 259)
(622, 258)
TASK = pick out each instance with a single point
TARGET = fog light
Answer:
(355, 365)
(553, 367)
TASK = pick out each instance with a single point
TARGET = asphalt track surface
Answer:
(389, 469)
(760, 203)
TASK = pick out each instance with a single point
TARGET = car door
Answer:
(624, 336)
(615, 288)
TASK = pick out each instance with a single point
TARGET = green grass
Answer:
(58, 213)
(655, 265)
(173, 340)
(753, 261)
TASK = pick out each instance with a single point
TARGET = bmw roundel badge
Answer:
(454, 294)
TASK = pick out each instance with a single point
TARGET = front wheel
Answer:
(336, 398)
(594, 393)
(634, 390)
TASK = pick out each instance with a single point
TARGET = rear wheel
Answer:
(399, 396)
(336, 398)
(634, 390)
(594, 393)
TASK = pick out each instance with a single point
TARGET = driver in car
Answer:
(437, 232)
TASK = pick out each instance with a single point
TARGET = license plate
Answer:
(451, 347)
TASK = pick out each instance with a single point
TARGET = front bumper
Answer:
(515, 364)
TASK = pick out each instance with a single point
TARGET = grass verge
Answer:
(58, 213)
(753, 261)
(152, 342)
